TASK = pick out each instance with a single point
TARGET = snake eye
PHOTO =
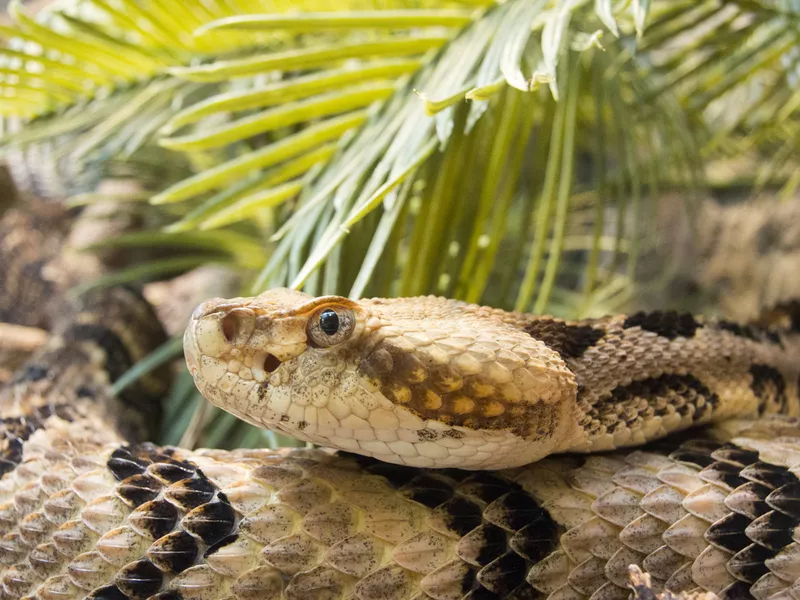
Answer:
(329, 322)
(330, 326)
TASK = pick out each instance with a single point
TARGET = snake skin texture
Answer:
(642, 586)
(30, 242)
(430, 382)
(85, 514)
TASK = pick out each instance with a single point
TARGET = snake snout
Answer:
(217, 332)
(190, 350)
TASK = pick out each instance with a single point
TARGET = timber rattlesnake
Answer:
(89, 510)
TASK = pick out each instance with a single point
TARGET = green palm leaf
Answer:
(503, 152)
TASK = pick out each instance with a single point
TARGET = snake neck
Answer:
(642, 376)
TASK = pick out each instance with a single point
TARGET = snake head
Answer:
(416, 381)
(257, 357)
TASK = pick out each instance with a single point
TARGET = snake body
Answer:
(431, 382)
(88, 509)
(84, 513)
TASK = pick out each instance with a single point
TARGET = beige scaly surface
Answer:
(86, 515)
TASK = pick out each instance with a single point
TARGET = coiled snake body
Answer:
(87, 509)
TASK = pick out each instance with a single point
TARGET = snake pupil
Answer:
(329, 322)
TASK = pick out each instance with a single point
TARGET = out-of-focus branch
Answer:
(31, 6)
(642, 589)
(20, 339)
(16, 344)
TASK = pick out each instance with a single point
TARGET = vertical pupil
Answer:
(329, 322)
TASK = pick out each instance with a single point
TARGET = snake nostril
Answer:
(229, 328)
(271, 363)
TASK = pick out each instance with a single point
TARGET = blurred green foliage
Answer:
(510, 152)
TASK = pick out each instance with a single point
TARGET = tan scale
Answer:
(359, 548)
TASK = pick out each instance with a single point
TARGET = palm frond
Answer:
(504, 152)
